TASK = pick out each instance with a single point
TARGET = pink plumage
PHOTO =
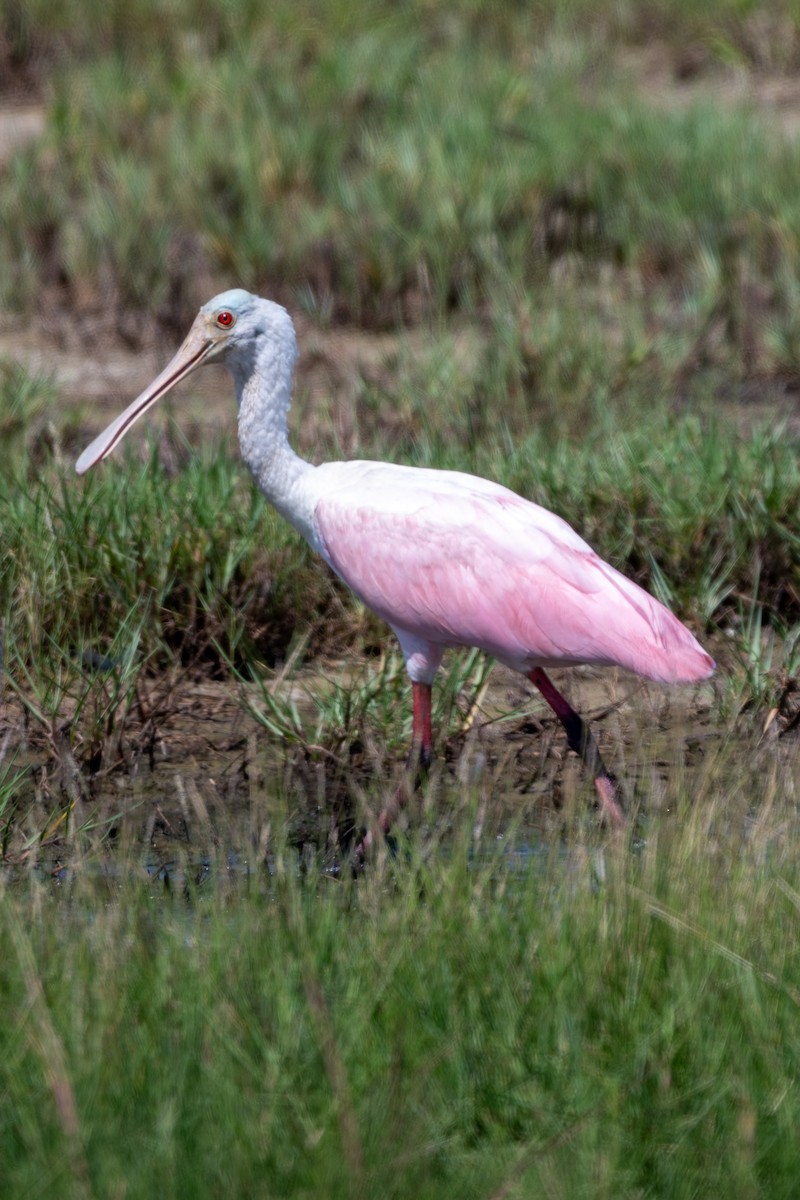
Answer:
(446, 559)
(455, 560)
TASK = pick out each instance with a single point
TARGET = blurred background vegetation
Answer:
(387, 163)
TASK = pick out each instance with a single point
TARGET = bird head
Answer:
(230, 324)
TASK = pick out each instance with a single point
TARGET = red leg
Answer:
(421, 736)
(579, 739)
(417, 764)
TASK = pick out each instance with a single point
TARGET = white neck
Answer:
(262, 373)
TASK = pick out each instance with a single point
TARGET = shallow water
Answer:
(212, 791)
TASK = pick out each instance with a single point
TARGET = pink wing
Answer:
(457, 560)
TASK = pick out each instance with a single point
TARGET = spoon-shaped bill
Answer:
(190, 355)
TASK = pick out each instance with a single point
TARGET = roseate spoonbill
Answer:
(447, 559)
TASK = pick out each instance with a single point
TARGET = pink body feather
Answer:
(455, 560)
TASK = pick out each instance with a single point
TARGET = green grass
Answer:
(203, 560)
(138, 570)
(138, 577)
(593, 1022)
(387, 165)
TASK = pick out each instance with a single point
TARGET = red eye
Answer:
(225, 319)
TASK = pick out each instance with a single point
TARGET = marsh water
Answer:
(203, 790)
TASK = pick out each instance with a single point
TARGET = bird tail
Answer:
(671, 653)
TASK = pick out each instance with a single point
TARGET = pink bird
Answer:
(445, 558)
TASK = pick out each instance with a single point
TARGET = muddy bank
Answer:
(195, 773)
